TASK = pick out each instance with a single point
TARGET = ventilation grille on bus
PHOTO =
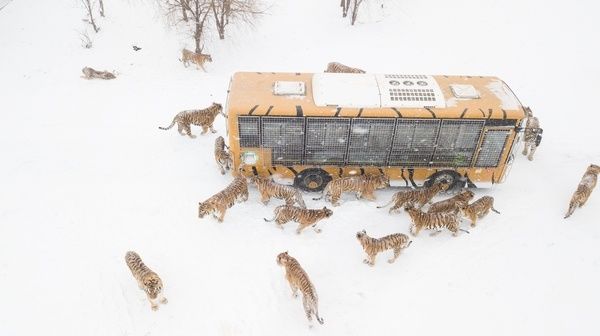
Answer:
(423, 95)
(491, 148)
(406, 76)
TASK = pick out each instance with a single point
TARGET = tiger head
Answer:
(380, 181)
(218, 108)
(283, 258)
(594, 169)
(204, 209)
(466, 195)
(152, 285)
(442, 185)
(361, 235)
(410, 207)
(326, 212)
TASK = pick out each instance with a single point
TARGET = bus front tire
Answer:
(450, 176)
(312, 179)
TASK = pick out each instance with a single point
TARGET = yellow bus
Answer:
(308, 129)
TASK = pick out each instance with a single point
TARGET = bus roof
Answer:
(371, 95)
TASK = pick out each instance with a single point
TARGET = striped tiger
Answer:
(584, 189)
(304, 217)
(478, 209)
(532, 135)
(341, 68)
(451, 204)
(373, 246)
(203, 118)
(432, 221)
(418, 197)
(223, 200)
(188, 56)
(363, 185)
(148, 280)
(268, 188)
(222, 156)
(298, 279)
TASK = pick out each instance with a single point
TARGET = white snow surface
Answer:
(86, 175)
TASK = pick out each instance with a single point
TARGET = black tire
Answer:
(312, 179)
(456, 181)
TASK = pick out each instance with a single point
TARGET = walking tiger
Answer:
(147, 280)
(298, 279)
(373, 246)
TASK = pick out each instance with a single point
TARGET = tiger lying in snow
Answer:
(89, 73)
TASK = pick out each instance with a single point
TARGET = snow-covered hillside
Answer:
(86, 176)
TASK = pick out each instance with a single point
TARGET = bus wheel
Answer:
(452, 177)
(312, 179)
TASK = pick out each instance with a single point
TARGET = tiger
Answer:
(188, 56)
(452, 204)
(298, 279)
(432, 221)
(267, 189)
(203, 118)
(304, 217)
(220, 202)
(478, 209)
(584, 189)
(533, 134)
(362, 185)
(89, 73)
(222, 156)
(417, 196)
(372, 246)
(341, 68)
(148, 280)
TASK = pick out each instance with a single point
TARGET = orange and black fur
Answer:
(373, 246)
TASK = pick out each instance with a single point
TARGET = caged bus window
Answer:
(370, 141)
(457, 142)
(248, 130)
(492, 147)
(414, 142)
(285, 136)
(326, 140)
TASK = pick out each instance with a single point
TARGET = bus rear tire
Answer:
(456, 181)
(312, 179)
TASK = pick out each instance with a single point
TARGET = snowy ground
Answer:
(86, 176)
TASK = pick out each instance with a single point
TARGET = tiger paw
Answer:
(164, 301)
(318, 230)
(391, 261)
(154, 307)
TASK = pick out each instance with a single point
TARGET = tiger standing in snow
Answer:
(533, 134)
(373, 246)
(188, 56)
(147, 279)
(341, 68)
(584, 189)
(222, 155)
(304, 217)
(298, 279)
(363, 185)
(203, 118)
(452, 204)
(417, 197)
(432, 221)
(478, 209)
(268, 188)
(226, 198)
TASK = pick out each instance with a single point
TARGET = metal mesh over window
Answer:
(285, 136)
(326, 140)
(248, 130)
(457, 142)
(491, 148)
(414, 142)
(370, 141)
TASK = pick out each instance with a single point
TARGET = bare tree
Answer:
(345, 4)
(101, 2)
(192, 14)
(88, 6)
(354, 10)
(226, 11)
